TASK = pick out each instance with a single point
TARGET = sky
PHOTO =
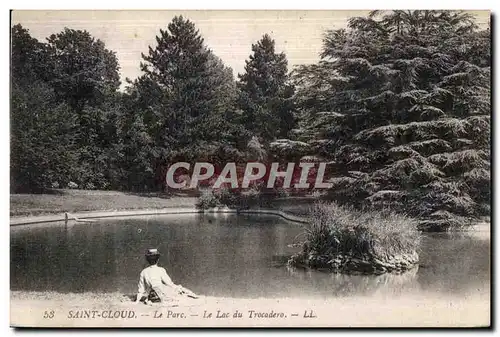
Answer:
(229, 34)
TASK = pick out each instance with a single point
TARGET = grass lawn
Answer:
(84, 200)
(72, 201)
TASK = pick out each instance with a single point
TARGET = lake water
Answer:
(225, 255)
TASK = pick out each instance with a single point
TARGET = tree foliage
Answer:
(266, 93)
(399, 105)
(181, 108)
(81, 69)
(409, 93)
(62, 109)
(41, 128)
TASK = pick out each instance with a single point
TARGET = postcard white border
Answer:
(186, 4)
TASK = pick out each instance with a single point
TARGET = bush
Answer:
(334, 232)
(250, 198)
(226, 196)
(233, 198)
(207, 199)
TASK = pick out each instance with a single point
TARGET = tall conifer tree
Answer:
(265, 92)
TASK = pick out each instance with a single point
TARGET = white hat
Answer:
(152, 252)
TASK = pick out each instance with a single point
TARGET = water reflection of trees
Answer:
(348, 285)
(449, 263)
(223, 256)
(454, 262)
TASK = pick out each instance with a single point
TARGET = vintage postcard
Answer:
(250, 168)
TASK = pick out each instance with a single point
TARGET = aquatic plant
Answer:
(346, 240)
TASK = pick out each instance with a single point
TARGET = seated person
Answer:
(154, 283)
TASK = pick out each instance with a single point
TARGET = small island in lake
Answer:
(347, 241)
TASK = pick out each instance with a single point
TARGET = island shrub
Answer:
(345, 240)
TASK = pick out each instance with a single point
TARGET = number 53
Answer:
(48, 314)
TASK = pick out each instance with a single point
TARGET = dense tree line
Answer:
(72, 125)
(399, 104)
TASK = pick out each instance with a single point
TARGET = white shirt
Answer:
(151, 277)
